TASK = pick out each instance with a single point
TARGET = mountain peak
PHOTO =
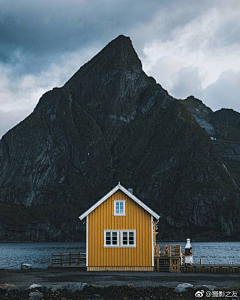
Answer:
(119, 43)
(117, 59)
(117, 56)
(121, 39)
(108, 87)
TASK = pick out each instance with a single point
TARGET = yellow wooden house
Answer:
(120, 233)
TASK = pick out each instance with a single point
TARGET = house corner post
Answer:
(87, 241)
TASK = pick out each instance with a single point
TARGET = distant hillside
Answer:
(111, 122)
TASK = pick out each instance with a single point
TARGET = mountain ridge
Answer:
(111, 122)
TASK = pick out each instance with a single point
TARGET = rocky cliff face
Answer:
(111, 122)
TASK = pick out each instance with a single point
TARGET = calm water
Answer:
(12, 255)
(217, 253)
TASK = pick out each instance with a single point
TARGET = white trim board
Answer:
(152, 241)
(87, 242)
(130, 195)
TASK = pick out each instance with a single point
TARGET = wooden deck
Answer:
(68, 260)
(168, 258)
(211, 268)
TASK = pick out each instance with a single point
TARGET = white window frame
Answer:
(105, 235)
(121, 239)
(115, 208)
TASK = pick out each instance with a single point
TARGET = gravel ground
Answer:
(109, 293)
(138, 279)
(112, 285)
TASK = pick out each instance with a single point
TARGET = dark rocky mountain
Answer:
(111, 122)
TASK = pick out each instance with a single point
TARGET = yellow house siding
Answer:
(102, 218)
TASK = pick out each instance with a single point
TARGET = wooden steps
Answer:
(164, 265)
(168, 258)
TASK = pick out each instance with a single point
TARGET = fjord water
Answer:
(12, 255)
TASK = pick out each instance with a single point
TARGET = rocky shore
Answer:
(91, 292)
(75, 284)
(127, 292)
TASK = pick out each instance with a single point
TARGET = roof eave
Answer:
(99, 202)
(144, 206)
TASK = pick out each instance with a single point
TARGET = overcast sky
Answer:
(191, 47)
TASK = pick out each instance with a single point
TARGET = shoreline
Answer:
(158, 241)
(79, 284)
(24, 278)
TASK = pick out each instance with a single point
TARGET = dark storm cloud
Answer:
(34, 33)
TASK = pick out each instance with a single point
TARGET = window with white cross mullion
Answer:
(128, 238)
(119, 207)
(111, 238)
(120, 238)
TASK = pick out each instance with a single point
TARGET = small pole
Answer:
(61, 259)
(51, 260)
(200, 261)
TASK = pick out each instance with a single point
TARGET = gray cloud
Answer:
(10, 119)
(225, 92)
(187, 83)
(227, 33)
